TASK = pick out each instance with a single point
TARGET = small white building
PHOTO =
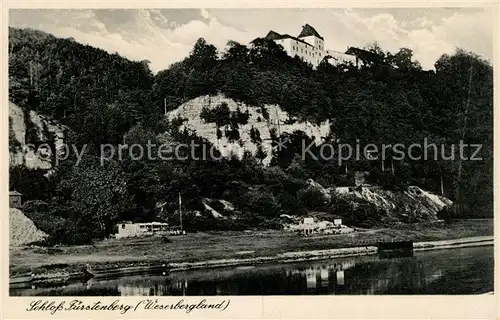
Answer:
(309, 226)
(308, 220)
(129, 229)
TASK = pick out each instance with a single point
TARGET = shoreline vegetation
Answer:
(139, 255)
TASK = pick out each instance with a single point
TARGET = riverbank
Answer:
(207, 250)
(332, 253)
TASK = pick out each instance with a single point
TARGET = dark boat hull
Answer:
(127, 271)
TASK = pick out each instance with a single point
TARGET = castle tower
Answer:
(310, 35)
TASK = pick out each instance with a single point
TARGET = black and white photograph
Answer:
(249, 152)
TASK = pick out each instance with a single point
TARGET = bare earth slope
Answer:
(22, 229)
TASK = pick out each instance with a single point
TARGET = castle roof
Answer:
(358, 52)
(273, 35)
(308, 30)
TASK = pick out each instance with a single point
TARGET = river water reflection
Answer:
(455, 271)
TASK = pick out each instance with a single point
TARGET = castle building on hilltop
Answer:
(310, 46)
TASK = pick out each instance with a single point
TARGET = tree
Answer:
(140, 135)
(261, 202)
(14, 145)
(260, 153)
(402, 60)
(100, 194)
(202, 61)
(31, 183)
(236, 52)
(312, 197)
(466, 105)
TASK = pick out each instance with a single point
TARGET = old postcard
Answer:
(205, 161)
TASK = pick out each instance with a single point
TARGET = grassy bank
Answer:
(204, 246)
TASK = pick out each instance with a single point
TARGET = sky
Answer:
(165, 36)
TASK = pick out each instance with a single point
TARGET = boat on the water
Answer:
(162, 269)
(88, 272)
(22, 279)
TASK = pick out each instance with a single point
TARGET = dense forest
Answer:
(104, 98)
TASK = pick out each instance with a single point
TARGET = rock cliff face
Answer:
(22, 155)
(411, 205)
(277, 121)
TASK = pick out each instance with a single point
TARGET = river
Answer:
(451, 271)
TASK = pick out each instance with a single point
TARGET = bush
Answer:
(217, 205)
(32, 183)
(291, 205)
(66, 232)
(446, 214)
(220, 115)
(342, 179)
(366, 215)
(262, 202)
(274, 224)
(43, 219)
(312, 197)
(205, 223)
(63, 224)
(387, 181)
(360, 214)
(34, 206)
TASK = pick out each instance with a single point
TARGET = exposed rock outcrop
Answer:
(413, 205)
(24, 155)
(278, 120)
(326, 192)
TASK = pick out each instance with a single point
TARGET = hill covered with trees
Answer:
(106, 99)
